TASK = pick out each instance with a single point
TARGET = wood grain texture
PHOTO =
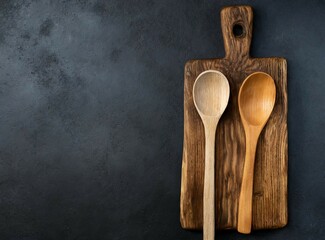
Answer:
(270, 176)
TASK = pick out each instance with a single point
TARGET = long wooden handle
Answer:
(246, 193)
(209, 185)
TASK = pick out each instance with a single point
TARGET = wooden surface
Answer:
(256, 99)
(270, 175)
(211, 96)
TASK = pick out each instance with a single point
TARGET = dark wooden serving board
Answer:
(271, 164)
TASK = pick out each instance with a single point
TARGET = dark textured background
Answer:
(91, 114)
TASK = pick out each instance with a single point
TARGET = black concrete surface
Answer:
(91, 114)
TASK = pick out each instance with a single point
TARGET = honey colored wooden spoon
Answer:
(210, 95)
(256, 101)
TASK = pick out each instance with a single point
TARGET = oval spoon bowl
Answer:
(256, 98)
(211, 93)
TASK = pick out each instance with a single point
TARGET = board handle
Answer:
(237, 26)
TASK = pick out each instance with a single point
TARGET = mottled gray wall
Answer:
(91, 113)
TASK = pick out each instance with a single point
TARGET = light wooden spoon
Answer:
(256, 101)
(211, 95)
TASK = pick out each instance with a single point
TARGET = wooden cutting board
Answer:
(271, 164)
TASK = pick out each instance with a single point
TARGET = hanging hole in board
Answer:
(238, 30)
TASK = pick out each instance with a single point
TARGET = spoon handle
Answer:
(246, 193)
(209, 184)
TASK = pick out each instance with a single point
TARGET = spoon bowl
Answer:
(256, 100)
(210, 95)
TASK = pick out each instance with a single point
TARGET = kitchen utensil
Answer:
(269, 208)
(210, 96)
(256, 100)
